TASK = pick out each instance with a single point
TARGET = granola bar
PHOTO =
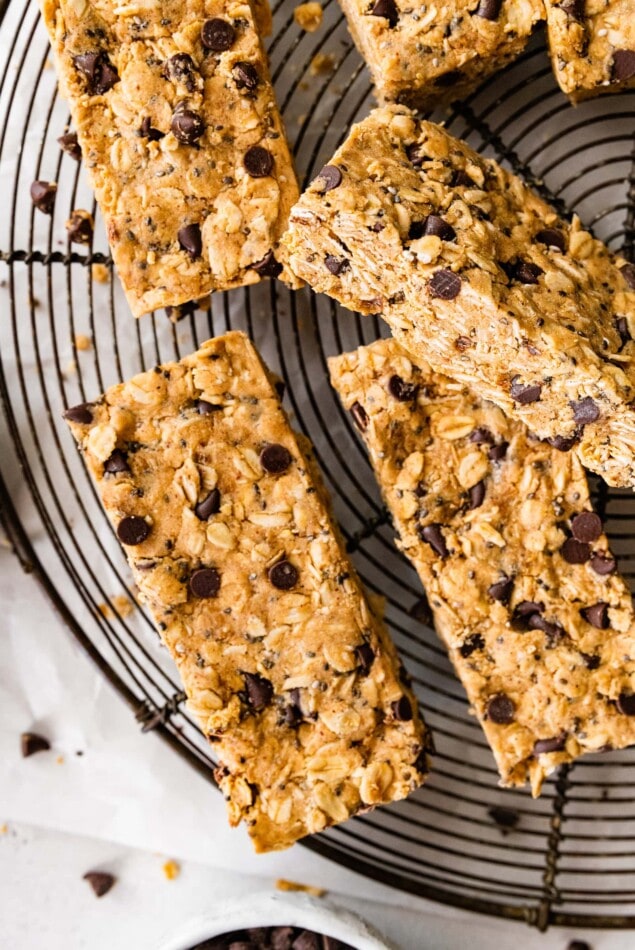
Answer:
(423, 55)
(592, 45)
(182, 139)
(523, 588)
(477, 275)
(224, 520)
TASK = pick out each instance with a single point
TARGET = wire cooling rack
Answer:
(570, 858)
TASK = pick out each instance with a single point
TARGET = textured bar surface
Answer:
(182, 141)
(539, 633)
(287, 669)
(477, 275)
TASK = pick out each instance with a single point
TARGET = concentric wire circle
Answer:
(570, 857)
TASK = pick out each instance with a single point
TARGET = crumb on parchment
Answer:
(171, 870)
(284, 885)
(308, 16)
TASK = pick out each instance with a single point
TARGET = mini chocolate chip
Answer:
(209, 506)
(586, 526)
(258, 161)
(31, 742)
(573, 9)
(623, 65)
(205, 408)
(563, 443)
(482, 436)
(585, 411)
(556, 744)
(100, 881)
(97, 69)
(218, 35)
(245, 75)
(360, 416)
(43, 196)
(365, 656)
(472, 643)
(500, 709)
(80, 227)
(445, 284)
(116, 462)
(621, 325)
(420, 611)
(402, 709)
(205, 582)
(388, 10)
(275, 458)
(628, 273)
(402, 391)
(433, 535)
(477, 495)
(133, 530)
(187, 126)
(191, 240)
(575, 552)
(81, 414)
(181, 68)
(268, 266)
(552, 238)
(626, 704)
(331, 175)
(415, 155)
(439, 228)
(525, 393)
(147, 132)
(336, 265)
(505, 818)
(284, 575)
(597, 615)
(69, 144)
(498, 452)
(259, 691)
(501, 590)
(526, 272)
(591, 660)
(603, 564)
(489, 9)
(461, 179)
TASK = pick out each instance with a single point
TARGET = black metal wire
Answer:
(568, 859)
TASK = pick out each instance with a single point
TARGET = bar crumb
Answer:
(100, 273)
(308, 16)
(284, 885)
(171, 870)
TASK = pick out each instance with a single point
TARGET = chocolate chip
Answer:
(498, 452)
(525, 393)
(268, 266)
(116, 462)
(69, 144)
(603, 564)
(586, 526)
(292, 716)
(31, 742)
(258, 161)
(472, 643)
(591, 660)
(563, 443)
(505, 818)
(336, 265)
(461, 179)
(445, 284)
(597, 615)
(585, 411)
(146, 130)
(556, 744)
(415, 155)
(81, 414)
(43, 196)
(402, 709)
(433, 535)
(191, 240)
(439, 228)
(209, 506)
(181, 68)
(388, 10)
(205, 582)
(365, 656)
(259, 691)
(97, 69)
(526, 272)
(218, 35)
(626, 704)
(575, 552)
(477, 495)
(500, 709)
(360, 416)
(449, 79)
(331, 175)
(100, 881)
(482, 436)
(628, 273)
(574, 9)
(402, 391)
(284, 575)
(623, 65)
(489, 9)
(80, 227)
(621, 325)
(553, 631)
(133, 530)
(205, 408)
(526, 609)
(275, 458)
(187, 126)
(552, 238)
(416, 230)
(420, 611)
(245, 75)
(501, 590)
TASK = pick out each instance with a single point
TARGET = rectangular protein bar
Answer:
(592, 45)
(182, 140)
(423, 55)
(227, 530)
(478, 276)
(522, 585)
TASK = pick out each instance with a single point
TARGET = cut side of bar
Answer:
(477, 275)
(516, 567)
(182, 140)
(225, 522)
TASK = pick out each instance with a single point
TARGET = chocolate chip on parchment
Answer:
(81, 414)
(205, 408)
(245, 75)
(552, 237)
(191, 240)
(80, 227)
(116, 462)
(43, 196)
(275, 458)
(181, 68)
(505, 818)
(98, 71)
(445, 284)
(336, 265)
(401, 390)
(209, 506)
(575, 552)
(626, 704)
(205, 582)
(623, 65)
(628, 273)
(586, 526)
(603, 564)
(585, 411)
(498, 452)
(146, 131)
(365, 656)
(436, 226)
(489, 9)
(100, 881)
(433, 535)
(525, 393)
(482, 436)
(388, 10)
(133, 530)
(284, 575)
(258, 161)
(268, 266)
(402, 709)
(31, 742)
(360, 416)
(471, 644)
(69, 144)
(477, 495)
(597, 615)
(218, 35)
(501, 590)
(555, 744)
(331, 175)
(420, 611)
(259, 690)
(500, 709)
(187, 126)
